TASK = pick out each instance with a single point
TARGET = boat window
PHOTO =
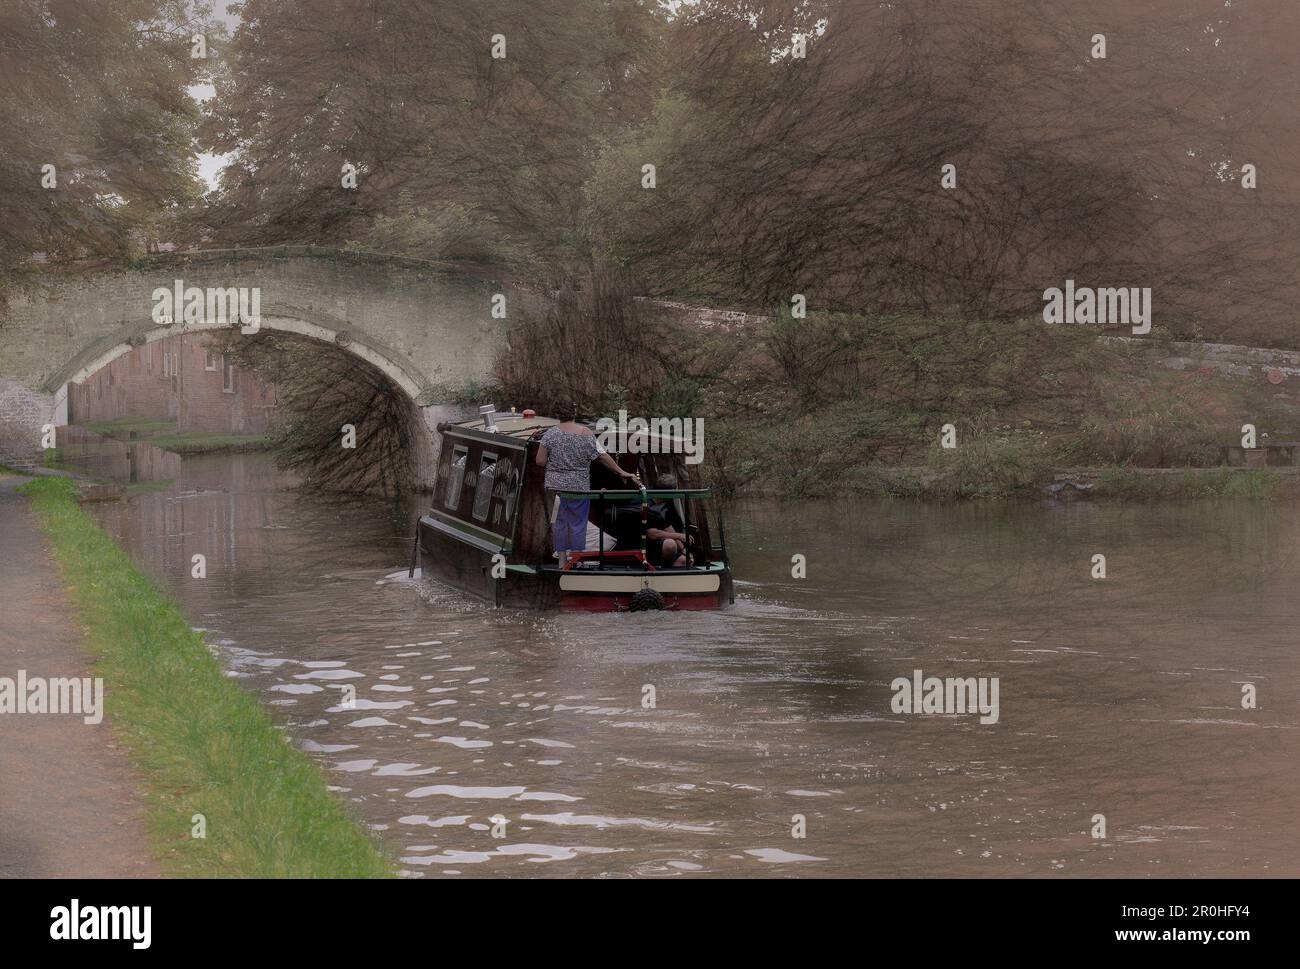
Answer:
(512, 493)
(501, 480)
(456, 478)
(483, 487)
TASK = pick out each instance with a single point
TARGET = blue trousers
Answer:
(570, 527)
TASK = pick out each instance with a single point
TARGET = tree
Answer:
(408, 95)
(322, 388)
(97, 123)
(821, 175)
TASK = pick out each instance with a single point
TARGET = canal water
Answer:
(763, 740)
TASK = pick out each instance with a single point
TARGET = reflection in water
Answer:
(126, 462)
(1119, 697)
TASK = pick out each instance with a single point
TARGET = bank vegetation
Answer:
(206, 748)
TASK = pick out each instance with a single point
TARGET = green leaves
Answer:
(458, 154)
(98, 91)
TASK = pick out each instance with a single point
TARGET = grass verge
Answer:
(206, 747)
(209, 442)
(130, 425)
(1258, 484)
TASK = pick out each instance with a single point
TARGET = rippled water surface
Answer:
(1119, 697)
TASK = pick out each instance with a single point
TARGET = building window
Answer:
(166, 364)
(227, 374)
(209, 360)
(483, 486)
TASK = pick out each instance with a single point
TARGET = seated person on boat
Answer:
(665, 541)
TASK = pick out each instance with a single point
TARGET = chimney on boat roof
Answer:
(486, 412)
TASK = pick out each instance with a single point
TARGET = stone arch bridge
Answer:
(427, 326)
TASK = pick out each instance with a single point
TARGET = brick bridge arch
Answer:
(427, 326)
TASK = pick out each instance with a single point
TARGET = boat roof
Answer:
(507, 425)
(522, 428)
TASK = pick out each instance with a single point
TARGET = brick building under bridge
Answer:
(183, 378)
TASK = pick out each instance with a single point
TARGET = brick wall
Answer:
(23, 412)
(178, 378)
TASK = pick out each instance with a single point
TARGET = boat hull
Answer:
(468, 566)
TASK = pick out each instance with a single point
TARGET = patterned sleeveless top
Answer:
(568, 460)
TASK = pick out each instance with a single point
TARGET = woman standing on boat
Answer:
(566, 452)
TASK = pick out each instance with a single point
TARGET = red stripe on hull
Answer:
(583, 602)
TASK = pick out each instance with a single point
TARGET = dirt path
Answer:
(69, 802)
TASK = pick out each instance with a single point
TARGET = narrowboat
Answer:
(488, 531)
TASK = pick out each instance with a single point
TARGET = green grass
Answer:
(5, 469)
(128, 425)
(1256, 484)
(1002, 463)
(205, 746)
(209, 442)
(52, 458)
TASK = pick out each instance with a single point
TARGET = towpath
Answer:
(69, 798)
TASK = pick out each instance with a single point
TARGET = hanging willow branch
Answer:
(321, 390)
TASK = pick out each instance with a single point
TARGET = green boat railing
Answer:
(633, 494)
(644, 496)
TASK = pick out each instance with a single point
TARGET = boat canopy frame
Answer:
(643, 495)
(636, 493)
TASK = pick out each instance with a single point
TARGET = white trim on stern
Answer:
(662, 583)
